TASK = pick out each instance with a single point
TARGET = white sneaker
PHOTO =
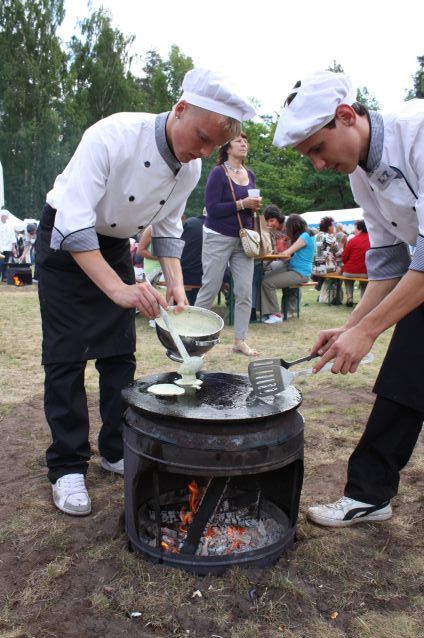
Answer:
(273, 319)
(117, 467)
(346, 511)
(70, 495)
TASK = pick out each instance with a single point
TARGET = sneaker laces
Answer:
(73, 483)
(341, 503)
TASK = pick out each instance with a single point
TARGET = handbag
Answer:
(250, 239)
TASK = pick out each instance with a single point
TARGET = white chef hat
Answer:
(314, 106)
(213, 92)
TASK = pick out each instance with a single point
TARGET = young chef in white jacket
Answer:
(384, 157)
(130, 170)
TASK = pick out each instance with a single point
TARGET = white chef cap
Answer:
(314, 106)
(212, 91)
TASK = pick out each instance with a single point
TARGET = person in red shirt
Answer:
(354, 259)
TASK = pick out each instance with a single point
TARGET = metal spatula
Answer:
(269, 378)
(265, 374)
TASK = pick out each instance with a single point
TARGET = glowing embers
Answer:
(238, 521)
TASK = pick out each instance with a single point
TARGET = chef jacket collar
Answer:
(375, 148)
(162, 143)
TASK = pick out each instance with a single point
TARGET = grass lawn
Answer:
(67, 577)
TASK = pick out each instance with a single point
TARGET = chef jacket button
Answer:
(162, 202)
(147, 164)
(131, 198)
(140, 227)
(394, 224)
(112, 225)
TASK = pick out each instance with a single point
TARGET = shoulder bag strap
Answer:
(232, 193)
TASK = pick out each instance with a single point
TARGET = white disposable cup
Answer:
(253, 192)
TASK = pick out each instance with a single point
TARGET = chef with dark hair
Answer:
(384, 157)
(130, 170)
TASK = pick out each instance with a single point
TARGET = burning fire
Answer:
(193, 502)
(17, 281)
(236, 537)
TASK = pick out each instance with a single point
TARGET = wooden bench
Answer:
(331, 278)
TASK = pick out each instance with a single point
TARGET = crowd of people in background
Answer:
(210, 258)
(17, 242)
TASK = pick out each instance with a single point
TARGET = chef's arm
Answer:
(175, 293)
(142, 297)
(354, 341)
(144, 243)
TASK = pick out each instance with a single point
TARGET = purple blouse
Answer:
(220, 205)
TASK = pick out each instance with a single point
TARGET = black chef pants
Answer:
(66, 410)
(396, 418)
(383, 450)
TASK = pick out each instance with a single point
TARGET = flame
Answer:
(17, 281)
(193, 501)
(165, 546)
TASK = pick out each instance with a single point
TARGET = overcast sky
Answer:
(267, 45)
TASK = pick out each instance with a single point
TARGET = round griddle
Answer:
(222, 397)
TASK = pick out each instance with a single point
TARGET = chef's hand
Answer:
(346, 347)
(142, 297)
(176, 296)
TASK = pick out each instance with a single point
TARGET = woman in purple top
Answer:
(221, 240)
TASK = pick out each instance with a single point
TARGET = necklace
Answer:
(232, 168)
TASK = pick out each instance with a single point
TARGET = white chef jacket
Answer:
(122, 178)
(392, 195)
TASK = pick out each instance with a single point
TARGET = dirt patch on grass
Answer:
(64, 577)
(71, 577)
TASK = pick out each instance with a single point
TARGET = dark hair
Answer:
(360, 109)
(223, 150)
(31, 228)
(273, 212)
(325, 224)
(295, 226)
(360, 225)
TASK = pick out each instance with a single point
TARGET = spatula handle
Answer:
(292, 363)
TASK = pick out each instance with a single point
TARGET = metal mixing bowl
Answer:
(198, 328)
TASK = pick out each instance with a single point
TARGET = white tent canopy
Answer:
(345, 216)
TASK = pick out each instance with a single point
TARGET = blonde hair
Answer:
(229, 124)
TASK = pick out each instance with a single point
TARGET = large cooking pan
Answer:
(198, 328)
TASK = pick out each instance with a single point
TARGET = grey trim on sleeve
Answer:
(417, 262)
(387, 262)
(167, 247)
(79, 241)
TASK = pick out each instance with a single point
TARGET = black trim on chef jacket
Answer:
(79, 321)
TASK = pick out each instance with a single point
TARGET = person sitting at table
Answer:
(325, 260)
(299, 255)
(275, 220)
(354, 260)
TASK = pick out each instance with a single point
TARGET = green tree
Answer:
(32, 69)
(100, 81)
(418, 79)
(161, 85)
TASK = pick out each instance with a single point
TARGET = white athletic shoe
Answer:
(346, 511)
(70, 495)
(273, 319)
(117, 467)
